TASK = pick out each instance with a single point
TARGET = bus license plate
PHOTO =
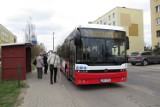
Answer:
(105, 80)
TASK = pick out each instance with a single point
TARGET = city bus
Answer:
(95, 54)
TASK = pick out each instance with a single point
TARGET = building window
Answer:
(158, 21)
(157, 8)
(158, 33)
(113, 15)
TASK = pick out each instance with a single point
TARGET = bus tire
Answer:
(144, 62)
(66, 73)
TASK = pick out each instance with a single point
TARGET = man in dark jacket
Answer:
(45, 63)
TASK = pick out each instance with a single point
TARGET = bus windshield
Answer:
(101, 50)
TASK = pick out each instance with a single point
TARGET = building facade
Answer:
(155, 22)
(131, 20)
(6, 36)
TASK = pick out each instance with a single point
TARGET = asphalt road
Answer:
(141, 90)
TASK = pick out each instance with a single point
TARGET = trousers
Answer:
(45, 68)
(55, 75)
(39, 73)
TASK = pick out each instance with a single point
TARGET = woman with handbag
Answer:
(53, 61)
(39, 65)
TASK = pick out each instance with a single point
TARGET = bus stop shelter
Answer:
(16, 60)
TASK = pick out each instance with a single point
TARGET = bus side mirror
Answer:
(127, 42)
(77, 41)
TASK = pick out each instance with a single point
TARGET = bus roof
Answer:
(98, 26)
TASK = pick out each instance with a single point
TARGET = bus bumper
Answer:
(100, 78)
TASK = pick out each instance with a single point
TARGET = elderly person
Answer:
(53, 61)
(39, 65)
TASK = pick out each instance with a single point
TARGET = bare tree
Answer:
(29, 30)
(29, 36)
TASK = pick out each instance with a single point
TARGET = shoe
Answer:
(51, 82)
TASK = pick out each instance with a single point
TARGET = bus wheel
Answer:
(66, 73)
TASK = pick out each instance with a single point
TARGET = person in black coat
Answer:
(45, 63)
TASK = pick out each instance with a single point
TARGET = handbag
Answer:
(51, 66)
(35, 62)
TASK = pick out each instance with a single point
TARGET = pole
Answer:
(53, 40)
(19, 73)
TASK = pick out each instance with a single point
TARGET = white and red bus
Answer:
(95, 54)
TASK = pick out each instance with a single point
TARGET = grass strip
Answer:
(9, 92)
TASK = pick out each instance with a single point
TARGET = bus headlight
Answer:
(82, 71)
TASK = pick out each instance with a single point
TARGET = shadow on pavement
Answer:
(100, 86)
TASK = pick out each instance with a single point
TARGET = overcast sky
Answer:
(61, 16)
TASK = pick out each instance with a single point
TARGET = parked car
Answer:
(144, 58)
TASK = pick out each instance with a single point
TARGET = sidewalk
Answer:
(42, 94)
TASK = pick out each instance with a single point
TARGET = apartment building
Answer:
(6, 36)
(131, 20)
(155, 22)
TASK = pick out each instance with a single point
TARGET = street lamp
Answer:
(53, 41)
